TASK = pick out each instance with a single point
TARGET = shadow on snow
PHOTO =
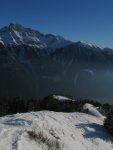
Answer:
(93, 130)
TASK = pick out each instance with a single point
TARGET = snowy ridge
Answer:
(93, 111)
(70, 130)
(16, 34)
(61, 98)
(87, 45)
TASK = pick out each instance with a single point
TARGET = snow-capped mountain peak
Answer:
(16, 26)
(16, 34)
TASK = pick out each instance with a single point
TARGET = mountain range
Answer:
(34, 65)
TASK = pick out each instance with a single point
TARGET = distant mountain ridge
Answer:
(16, 34)
(33, 64)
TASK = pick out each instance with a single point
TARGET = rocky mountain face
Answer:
(34, 65)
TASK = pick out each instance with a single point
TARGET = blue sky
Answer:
(88, 20)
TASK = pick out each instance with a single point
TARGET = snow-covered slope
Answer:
(54, 131)
(16, 34)
(61, 98)
(93, 111)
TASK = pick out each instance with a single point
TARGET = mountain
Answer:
(55, 130)
(34, 65)
(16, 34)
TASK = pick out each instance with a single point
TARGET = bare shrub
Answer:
(41, 138)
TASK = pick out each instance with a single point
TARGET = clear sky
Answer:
(88, 20)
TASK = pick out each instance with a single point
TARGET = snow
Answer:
(85, 43)
(71, 130)
(58, 97)
(93, 111)
(1, 41)
(88, 45)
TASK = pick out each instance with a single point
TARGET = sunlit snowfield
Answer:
(47, 130)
